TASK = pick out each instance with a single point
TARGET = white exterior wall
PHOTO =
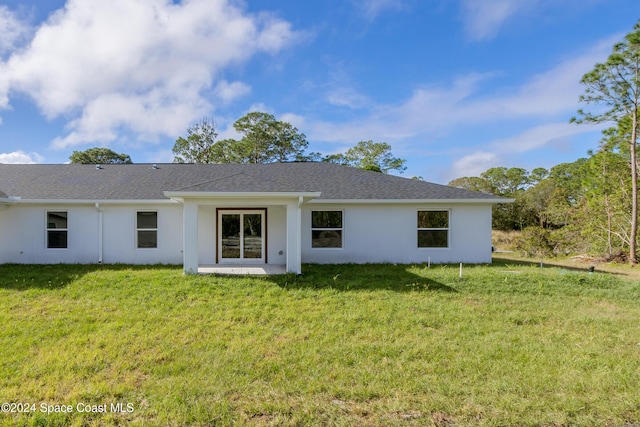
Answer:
(371, 233)
(120, 235)
(277, 235)
(388, 233)
(23, 235)
(207, 235)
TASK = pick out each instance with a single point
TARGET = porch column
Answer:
(294, 238)
(190, 237)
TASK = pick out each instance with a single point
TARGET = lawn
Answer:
(376, 345)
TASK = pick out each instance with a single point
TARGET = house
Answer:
(206, 216)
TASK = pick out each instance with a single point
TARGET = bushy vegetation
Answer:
(575, 208)
(376, 345)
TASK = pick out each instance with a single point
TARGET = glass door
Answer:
(241, 236)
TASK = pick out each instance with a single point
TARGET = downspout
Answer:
(100, 227)
(299, 239)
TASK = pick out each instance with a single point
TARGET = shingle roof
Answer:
(143, 181)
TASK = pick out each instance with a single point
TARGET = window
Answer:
(433, 229)
(326, 229)
(147, 229)
(57, 230)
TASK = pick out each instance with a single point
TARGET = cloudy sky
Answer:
(455, 86)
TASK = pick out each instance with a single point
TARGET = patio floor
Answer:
(243, 270)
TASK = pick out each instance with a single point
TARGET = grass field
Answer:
(507, 345)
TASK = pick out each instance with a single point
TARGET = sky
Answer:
(454, 86)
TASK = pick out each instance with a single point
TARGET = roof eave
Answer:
(241, 194)
(491, 201)
(18, 201)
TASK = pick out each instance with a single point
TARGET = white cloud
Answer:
(12, 29)
(295, 119)
(474, 164)
(347, 97)
(371, 9)
(435, 110)
(556, 136)
(20, 157)
(160, 156)
(275, 33)
(228, 92)
(483, 18)
(551, 135)
(145, 73)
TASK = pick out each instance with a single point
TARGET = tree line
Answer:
(266, 140)
(573, 208)
(263, 140)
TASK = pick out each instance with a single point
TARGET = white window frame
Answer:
(138, 229)
(47, 229)
(242, 212)
(447, 229)
(341, 229)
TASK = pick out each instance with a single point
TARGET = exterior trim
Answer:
(102, 202)
(448, 211)
(412, 201)
(177, 197)
(342, 229)
(238, 194)
(266, 230)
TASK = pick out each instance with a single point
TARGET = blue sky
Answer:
(454, 86)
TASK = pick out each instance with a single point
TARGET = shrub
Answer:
(535, 241)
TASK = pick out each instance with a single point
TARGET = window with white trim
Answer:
(433, 229)
(57, 229)
(326, 229)
(147, 229)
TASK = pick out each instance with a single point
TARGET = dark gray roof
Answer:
(143, 181)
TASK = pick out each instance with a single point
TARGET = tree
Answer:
(506, 181)
(615, 85)
(369, 155)
(604, 216)
(570, 177)
(197, 147)
(264, 140)
(511, 183)
(537, 175)
(99, 156)
(472, 183)
(314, 156)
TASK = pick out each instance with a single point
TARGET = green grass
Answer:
(506, 345)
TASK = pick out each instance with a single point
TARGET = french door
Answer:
(241, 236)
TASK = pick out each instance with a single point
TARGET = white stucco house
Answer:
(205, 216)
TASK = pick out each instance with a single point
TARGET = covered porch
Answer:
(241, 233)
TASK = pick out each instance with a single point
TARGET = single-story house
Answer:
(276, 215)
